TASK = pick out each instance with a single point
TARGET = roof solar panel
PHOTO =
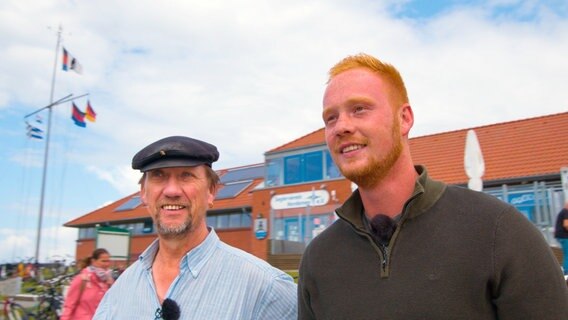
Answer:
(248, 173)
(232, 190)
(132, 203)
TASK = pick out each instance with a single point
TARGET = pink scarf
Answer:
(102, 274)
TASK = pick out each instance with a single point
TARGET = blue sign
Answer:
(524, 202)
(260, 234)
(260, 228)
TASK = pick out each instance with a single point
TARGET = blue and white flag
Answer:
(34, 130)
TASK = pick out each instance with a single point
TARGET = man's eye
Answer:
(330, 119)
(186, 175)
(358, 109)
(156, 174)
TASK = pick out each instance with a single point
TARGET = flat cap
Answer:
(175, 151)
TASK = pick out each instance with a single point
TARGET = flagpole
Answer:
(46, 152)
(50, 106)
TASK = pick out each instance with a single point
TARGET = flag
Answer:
(33, 131)
(90, 114)
(78, 116)
(65, 60)
(71, 63)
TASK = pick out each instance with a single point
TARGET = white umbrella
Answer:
(473, 162)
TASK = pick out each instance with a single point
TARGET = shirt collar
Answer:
(194, 260)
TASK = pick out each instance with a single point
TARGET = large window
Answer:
(229, 220)
(300, 168)
(145, 227)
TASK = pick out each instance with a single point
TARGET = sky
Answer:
(247, 76)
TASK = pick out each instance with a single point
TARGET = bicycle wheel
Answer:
(17, 312)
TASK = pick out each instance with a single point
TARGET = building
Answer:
(274, 209)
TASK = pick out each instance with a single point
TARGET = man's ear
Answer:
(406, 119)
(212, 193)
(142, 189)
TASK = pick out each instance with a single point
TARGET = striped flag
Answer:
(34, 129)
(71, 63)
(90, 114)
(78, 116)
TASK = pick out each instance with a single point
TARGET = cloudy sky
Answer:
(247, 76)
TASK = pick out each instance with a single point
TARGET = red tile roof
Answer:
(523, 148)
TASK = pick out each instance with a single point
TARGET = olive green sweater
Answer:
(456, 254)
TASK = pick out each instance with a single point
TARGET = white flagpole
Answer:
(46, 153)
(50, 106)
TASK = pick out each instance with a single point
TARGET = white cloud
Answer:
(19, 245)
(123, 179)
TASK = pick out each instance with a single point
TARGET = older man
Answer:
(188, 272)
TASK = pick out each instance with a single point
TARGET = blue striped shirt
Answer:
(216, 281)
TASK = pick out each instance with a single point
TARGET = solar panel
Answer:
(232, 190)
(130, 204)
(249, 173)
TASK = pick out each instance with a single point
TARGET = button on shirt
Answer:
(216, 281)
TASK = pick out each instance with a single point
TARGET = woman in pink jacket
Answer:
(88, 288)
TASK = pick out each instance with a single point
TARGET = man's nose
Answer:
(343, 125)
(172, 187)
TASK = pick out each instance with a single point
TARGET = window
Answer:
(313, 164)
(273, 172)
(331, 170)
(230, 220)
(148, 227)
(212, 221)
(246, 220)
(299, 168)
(293, 169)
(235, 220)
(223, 221)
(136, 228)
(303, 167)
(86, 233)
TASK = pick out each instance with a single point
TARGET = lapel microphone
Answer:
(169, 311)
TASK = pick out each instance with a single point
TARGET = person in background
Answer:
(406, 246)
(21, 270)
(561, 234)
(88, 287)
(188, 272)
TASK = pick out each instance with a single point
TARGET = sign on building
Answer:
(116, 241)
(300, 199)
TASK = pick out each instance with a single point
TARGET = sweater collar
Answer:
(426, 193)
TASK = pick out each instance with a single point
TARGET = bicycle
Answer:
(50, 299)
(13, 311)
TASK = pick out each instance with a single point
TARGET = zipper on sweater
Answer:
(385, 250)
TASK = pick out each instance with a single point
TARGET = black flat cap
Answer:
(176, 151)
